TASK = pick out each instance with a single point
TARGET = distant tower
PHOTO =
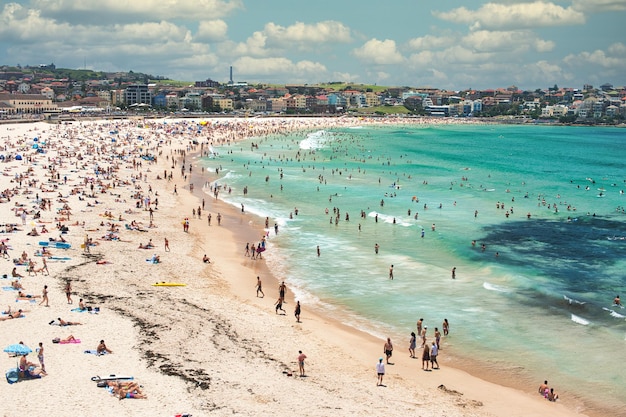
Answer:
(231, 76)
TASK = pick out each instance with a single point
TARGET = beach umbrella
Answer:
(18, 349)
(18, 157)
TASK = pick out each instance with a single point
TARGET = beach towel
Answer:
(95, 352)
(90, 310)
(9, 289)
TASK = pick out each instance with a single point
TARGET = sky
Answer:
(448, 44)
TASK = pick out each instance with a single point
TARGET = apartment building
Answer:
(137, 94)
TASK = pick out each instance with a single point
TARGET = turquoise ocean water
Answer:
(535, 304)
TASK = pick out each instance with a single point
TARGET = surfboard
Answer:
(110, 378)
(58, 245)
(168, 284)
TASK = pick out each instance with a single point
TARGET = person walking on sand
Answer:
(380, 371)
(167, 245)
(68, 292)
(44, 268)
(279, 305)
(388, 349)
(259, 287)
(44, 296)
(39, 351)
(301, 358)
(297, 312)
(281, 291)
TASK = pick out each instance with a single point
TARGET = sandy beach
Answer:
(210, 347)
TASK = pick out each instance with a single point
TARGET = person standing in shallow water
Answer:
(391, 272)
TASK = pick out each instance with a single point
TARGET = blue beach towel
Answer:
(94, 352)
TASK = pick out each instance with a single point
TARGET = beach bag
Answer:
(12, 375)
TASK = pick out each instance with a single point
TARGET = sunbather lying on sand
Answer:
(68, 323)
(126, 390)
(15, 315)
(23, 296)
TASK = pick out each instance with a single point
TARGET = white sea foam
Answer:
(493, 287)
(315, 140)
(580, 320)
(573, 301)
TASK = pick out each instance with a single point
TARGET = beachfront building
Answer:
(172, 101)
(192, 101)
(137, 94)
(223, 103)
(276, 105)
(256, 105)
(339, 101)
(14, 104)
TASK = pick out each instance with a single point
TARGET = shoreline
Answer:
(212, 333)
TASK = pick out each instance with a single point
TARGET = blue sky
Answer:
(449, 44)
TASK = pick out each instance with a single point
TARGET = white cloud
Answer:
(114, 10)
(379, 52)
(277, 66)
(432, 41)
(211, 30)
(382, 76)
(613, 60)
(617, 49)
(275, 39)
(255, 46)
(344, 76)
(505, 41)
(514, 16)
(307, 34)
(598, 6)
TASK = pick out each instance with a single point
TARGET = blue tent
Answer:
(18, 157)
